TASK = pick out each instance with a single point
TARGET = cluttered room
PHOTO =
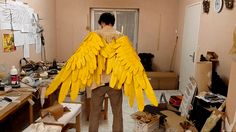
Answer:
(114, 66)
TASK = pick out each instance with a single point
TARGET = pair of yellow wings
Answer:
(94, 56)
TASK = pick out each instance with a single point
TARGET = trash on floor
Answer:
(145, 122)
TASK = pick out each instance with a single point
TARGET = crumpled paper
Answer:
(40, 127)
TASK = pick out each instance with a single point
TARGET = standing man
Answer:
(109, 34)
(105, 50)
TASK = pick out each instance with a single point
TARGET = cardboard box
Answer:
(141, 126)
(163, 80)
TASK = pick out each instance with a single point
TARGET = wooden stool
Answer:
(75, 110)
(104, 111)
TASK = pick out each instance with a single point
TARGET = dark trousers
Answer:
(96, 103)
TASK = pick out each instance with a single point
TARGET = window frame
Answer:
(114, 11)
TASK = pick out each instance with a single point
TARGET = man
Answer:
(105, 56)
(108, 33)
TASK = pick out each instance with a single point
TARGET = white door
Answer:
(189, 44)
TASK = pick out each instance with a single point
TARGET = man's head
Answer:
(106, 19)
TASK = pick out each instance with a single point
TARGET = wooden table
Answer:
(14, 106)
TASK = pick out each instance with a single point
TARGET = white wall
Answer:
(72, 21)
(47, 11)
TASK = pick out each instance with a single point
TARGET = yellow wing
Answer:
(126, 70)
(93, 57)
(84, 66)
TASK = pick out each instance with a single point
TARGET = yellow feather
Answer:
(110, 64)
(129, 77)
(149, 92)
(127, 65)
(94, 51)
(78, 64)
(139, 96)
(96, 46)
(140, 80)
(64, 89)
(97, 78)
(53, 86)
(89, 63)
(82, 60)
(85, 76)
(74, 90)
(81, 72)
(94, 62)
(68, 64)
(98, 40)
(126, 89)
(135, 71)
(64, 74)
(131, 92)
(116, 45)
(104, 54)
(100, 64)
(118, 70)
(75, 75)
(122, 79)
(89, 82)
(73, 63)
(82, 87)
(113, 80)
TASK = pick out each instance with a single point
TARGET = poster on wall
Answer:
(8, 43)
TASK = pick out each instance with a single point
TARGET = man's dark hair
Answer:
(107, 18)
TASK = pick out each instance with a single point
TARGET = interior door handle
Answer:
(192, 56)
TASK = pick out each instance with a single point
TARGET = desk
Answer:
(14, 106)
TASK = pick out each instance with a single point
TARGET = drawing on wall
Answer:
(8, 43)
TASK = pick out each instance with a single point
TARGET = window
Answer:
(126, 20)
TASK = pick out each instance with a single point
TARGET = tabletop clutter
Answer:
(38, 76)
(29, 72)
(30, 76)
